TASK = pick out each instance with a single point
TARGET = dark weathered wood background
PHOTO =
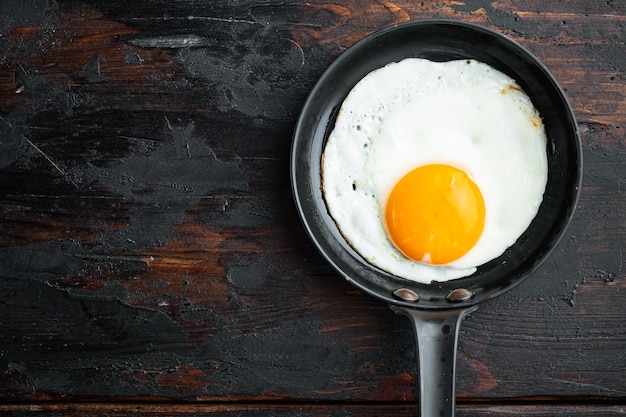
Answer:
(151, 258)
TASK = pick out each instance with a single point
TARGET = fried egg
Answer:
(434, 168)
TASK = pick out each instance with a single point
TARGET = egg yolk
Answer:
(435, 214)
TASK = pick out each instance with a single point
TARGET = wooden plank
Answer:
(297, 410)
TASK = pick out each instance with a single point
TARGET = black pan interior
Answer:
(438, 40)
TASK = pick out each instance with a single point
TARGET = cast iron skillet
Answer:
(437, 312)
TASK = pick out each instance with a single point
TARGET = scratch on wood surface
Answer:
(299, 49)
(171, 42)
(169, 124)
(131, 138)
(58, 168)
(225, 20)
(595, 388)
(207, 18)
(187, 148)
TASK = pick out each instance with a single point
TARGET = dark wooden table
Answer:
(151, 257)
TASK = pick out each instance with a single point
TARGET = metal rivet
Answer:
(406, 294)
(459, 295)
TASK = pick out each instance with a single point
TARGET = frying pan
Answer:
(436, 309)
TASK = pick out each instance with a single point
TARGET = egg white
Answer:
(416, 112)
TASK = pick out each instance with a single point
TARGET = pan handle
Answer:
(437, 334)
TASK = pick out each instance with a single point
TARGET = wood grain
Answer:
(150, 249)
